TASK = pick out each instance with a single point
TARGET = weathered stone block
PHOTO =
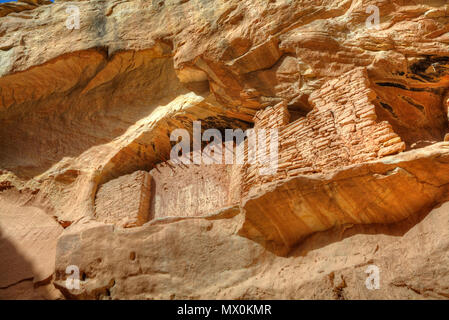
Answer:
(125, 201)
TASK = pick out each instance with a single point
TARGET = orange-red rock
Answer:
(362, 121)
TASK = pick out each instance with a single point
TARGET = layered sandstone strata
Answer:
(360, 113)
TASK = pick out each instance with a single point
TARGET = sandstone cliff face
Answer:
(362, 174)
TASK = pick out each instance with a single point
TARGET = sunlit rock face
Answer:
(359, 111)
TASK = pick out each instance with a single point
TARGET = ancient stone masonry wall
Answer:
(340, 130)
(125, 201)
(189, 190)
(272, 117)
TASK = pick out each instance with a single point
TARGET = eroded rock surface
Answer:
(361, 116)
(28, 238)
(174, 261)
